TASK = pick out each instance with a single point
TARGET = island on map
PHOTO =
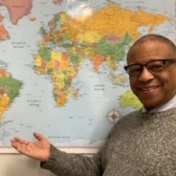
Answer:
(17, 8)
(57, 2)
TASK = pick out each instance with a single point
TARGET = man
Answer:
(143, 143)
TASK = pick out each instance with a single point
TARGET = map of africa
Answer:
(61, 66)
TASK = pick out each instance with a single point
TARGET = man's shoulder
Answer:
(129, 120)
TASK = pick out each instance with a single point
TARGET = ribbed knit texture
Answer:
(141, 144)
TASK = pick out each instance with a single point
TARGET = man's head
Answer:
(152, 70)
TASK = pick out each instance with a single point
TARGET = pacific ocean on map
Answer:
(61, 66)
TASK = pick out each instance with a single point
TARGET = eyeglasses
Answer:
(153, 67)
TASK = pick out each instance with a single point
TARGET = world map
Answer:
(61, 66)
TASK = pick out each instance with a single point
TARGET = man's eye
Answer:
(156, 67)
(135, 70)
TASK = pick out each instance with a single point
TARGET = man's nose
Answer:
(145, 75)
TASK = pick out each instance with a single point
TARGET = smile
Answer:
(148, 89)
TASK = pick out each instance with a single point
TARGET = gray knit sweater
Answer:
(141, 144)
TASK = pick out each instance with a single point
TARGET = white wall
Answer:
(20, 165)
(14, 164)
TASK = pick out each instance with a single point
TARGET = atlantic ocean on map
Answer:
(61, 66)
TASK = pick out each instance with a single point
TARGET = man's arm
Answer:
(64, 164)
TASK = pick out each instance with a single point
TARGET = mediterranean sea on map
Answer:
(61, 66)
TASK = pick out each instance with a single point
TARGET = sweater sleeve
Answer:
(63, 164)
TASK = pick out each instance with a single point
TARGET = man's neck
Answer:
(168, 105)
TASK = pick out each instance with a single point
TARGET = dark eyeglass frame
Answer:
(141, 66)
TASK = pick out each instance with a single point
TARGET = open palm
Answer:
(39, 150)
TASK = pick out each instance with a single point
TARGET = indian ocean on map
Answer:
(61, 65)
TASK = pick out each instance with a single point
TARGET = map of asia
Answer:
(61, 66)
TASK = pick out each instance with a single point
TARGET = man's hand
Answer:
(39, 150)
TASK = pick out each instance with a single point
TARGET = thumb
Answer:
(38, 136)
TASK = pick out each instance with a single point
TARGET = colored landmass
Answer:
(32, 19)
(57, 2)
(1, 18)
(4, 35)
(129, 99)
(119, 79)
(102, 37)
(9, 90)
(17, 8)
(3, 32)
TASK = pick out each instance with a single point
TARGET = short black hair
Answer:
(155, 37)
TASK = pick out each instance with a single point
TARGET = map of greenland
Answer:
(17, 8)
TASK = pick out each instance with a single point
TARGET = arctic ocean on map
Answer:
(61, 66)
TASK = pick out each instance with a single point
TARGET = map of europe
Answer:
(61, 66)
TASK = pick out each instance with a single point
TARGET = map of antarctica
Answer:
(61, 66)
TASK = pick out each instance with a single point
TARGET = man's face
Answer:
(152, 89)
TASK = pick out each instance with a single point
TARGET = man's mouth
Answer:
(148, 89)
